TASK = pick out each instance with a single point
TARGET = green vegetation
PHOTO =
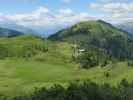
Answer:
(19, 75)
(22, 46)
(101, 41)
(82, 91)
(28, 61)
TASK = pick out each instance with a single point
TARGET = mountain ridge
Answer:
(5, 32)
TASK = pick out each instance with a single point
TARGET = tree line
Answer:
(82, 91)
(21, 50)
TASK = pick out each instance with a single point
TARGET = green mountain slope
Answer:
(21, 46)
(94, 35)
(27, 62)
(4, 32)
(87, 30)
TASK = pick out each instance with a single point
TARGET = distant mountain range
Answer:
(39, 31)
(126, 26)
(16, 27)
(4, 32)
(47, 31)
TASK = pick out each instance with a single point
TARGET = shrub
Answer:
(88, 60)
(82, 91)
(130, 63)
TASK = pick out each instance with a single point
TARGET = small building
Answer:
(81, 50)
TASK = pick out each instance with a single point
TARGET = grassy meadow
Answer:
(25, 69)
(22, 76)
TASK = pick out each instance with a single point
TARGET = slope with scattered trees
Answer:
(100, 40)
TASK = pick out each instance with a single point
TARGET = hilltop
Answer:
(98, 34)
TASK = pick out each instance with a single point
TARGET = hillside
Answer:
(5, 32)
(27, 62)
(35, 48)
(20, 75)
(21, 46)
(94, 35)
(88, 29)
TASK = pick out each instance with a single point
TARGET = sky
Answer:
(55, 14)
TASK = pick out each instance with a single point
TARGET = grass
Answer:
(20, 76)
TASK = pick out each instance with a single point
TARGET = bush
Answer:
(130, 63)
(82, 91)
(88, 60)
(104, 63)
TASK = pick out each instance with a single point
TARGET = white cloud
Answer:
(66, 12)
(45, 18)
(112, 7)
(41, 10)
(1, 17)
(114, 11)
(34, 15)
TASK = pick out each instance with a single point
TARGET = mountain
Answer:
(126, 26)
(16, 27)
(98, 36)
(4, 32)
(43, 31)
(86, 30)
